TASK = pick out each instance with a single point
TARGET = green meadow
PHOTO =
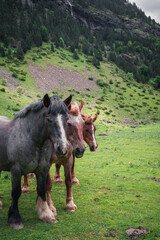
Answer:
(118, 189)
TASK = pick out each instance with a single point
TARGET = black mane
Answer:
(57, 106)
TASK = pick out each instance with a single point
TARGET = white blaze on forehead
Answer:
(63, 134)
(76, 119)
(93, 136)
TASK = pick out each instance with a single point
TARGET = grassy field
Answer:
(117, 190)
(117, 182)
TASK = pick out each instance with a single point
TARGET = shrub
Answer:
(14, 74)
(75, 55)
(4, 82)
(90, 78)
(22, 78)
(15, 109)
(2, 89)
(100, 82)
(20, 90)
(107, 113)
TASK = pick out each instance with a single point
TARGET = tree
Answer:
(52, 47)
(75, 55)
(157, 82)
(2, 51)
(44, 34)
(20, 53)
(96, 62)
(61, 42)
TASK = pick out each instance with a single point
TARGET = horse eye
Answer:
(69, 124)
(87, 130)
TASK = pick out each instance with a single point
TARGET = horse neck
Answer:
(36, 124)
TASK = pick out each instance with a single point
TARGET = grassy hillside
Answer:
(117, 97)
(119, 184)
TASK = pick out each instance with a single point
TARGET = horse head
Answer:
(75, 129)
(89, 132)
(56, 123)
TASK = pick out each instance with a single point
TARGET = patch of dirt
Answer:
(11, 82)
(136, 232)
(61, 78)
(156, 179)
(109, 235)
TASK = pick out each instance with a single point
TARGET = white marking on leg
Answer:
(93, 136)
(45, 214)
(63, 134)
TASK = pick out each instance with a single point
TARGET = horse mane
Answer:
(74, 110)
(56, 106)
(87, 118)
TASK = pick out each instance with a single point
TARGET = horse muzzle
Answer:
(93, 147)
(79, 151)
(62, 151)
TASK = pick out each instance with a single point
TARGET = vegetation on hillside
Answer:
(28, 24)
(119, 98)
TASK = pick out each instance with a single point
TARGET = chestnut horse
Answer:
(26, 144)
(75, 125)
(89, 137)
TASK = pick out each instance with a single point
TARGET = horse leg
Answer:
(14, 218)
(57, 178)
(45, 214)
(75, 180)
(25, 188)
(48, 191)
(70, 206)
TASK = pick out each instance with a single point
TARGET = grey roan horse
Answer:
(25, 146)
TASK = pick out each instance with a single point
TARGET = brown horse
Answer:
(89, 137)
(75, 125)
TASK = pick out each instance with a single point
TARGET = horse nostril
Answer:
(58, 149)
(77, 150)
(92, 147)
(64, 151)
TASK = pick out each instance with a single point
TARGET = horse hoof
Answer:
(58, 180)
(53, 209)
(75, 181)
(71, 207)
(49, 220)
(1, 205)
(31, 175)
(17, 225)
(25, 190)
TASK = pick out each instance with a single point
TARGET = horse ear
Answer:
(67, 101)
(46, 100)
(81, 105)
(94, 119)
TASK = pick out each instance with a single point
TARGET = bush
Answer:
(111, 81)
(90, 78)
(2, 89)
(20, 90)
(14, 74)
(4, 82)
(75, 55)
(100, 82)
